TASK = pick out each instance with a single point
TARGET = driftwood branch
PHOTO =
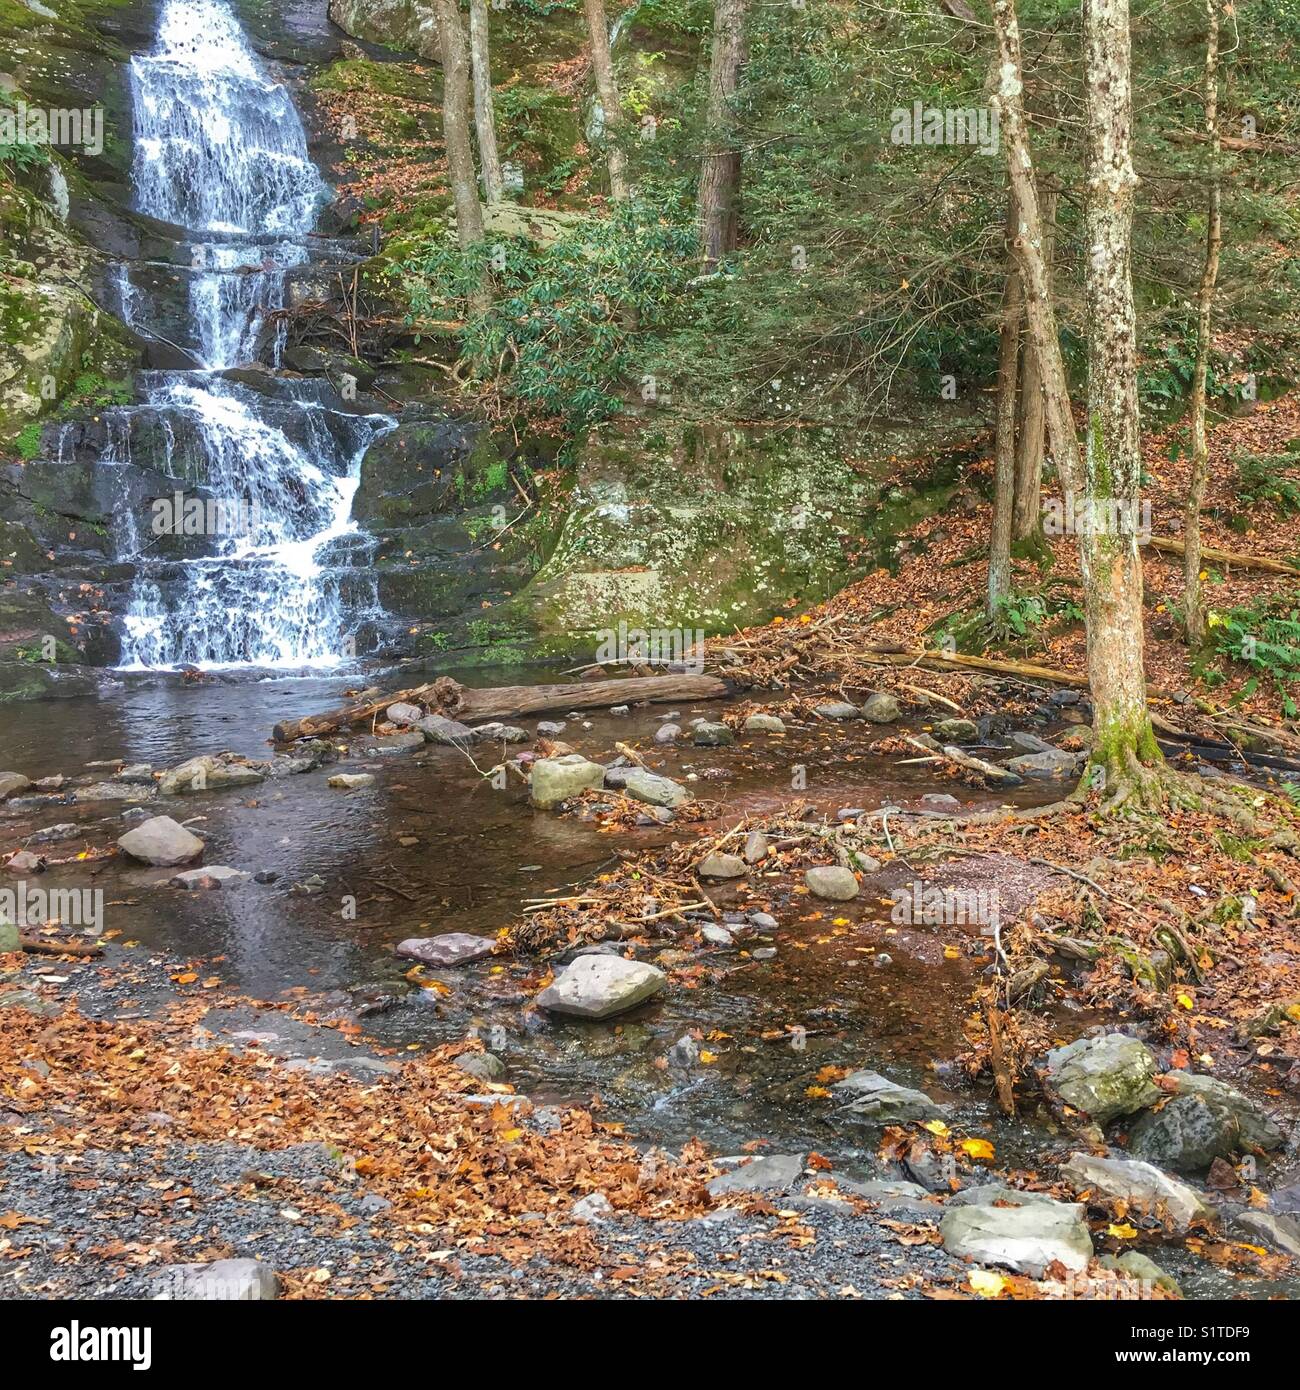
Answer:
(449, 698)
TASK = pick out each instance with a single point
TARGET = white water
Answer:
(220, 151)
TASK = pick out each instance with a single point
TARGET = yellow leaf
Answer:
(1186, 1001)
(935, 1127)
(985, 1283)
(510, 1135)
(1121, 1232)
(708, 1057)
(977, 1148)
(816, 1092)
(951, 953)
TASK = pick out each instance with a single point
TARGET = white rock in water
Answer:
(453, 948)
(596, 986)
(161, 842)
(350, 781)
(1026, 1239)
(216, 876)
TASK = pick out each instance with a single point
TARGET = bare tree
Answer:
(484, 112)
(1004, 473)
(1028, 246)
(607, 90)
(1194, 619)
(720, 172)
(455, 124)
(1124, 745)
(1027, 517)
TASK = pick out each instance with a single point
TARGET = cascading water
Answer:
(221, 152)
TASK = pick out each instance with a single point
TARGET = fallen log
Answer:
(37, 947)
(449, 698)
(1228, 557)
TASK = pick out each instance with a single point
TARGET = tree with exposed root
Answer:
(720, 171)
(607, 91)
(1194, 619)
(484, 111)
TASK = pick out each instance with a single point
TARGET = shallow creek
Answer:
(432, 847)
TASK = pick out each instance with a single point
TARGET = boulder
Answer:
(837, 709)
(598, 986)
(1258, 1129)
(555, 780)
(651, 788)
(208, 773)
(1186, 1134)
(882, 708)
(141, 774)
(484, 1066)
(755, 847)
(1104, 1077)
(226, 1281)
(217, 876)
(453, 948)
(497, 732)
(1029, 743)
(404, 715)
(162, 843)
(1052, 763)
(764, 724)
(772, 1173)
(957, 730)
(832, 881)
(708, 734)
(722, 866)
(1142, 1187)
(114, 791)
(716, 935)
(668, 733)
(439, 729)
(1026, 1239)
(1137, 1266)
(350, 781)
(877, 1099)
(11, 784)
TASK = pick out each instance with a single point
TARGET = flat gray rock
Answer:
(772, 1173)
(556, 780)
(1026, 1239)
(650, 788)
(351, 781)
(1142, 1187)
(722, 866)
(1104, 1077)
(208, 773)
(453, 948)
(878, 1099)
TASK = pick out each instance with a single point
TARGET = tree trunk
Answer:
(720, 171)
(1027, 519)
(607, 91)
(484, 113)
(1124, 741)
(1004, 473)
(1028, 246)
(455, 124)
(1194, 605)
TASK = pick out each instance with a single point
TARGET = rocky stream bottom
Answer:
(306, 1062)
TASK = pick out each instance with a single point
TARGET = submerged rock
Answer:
(1104, 1077)
(497, 732)
(668, 733)
(351, 781)
(957, 730)
(708, 734)
(1051, 763)
(1026, 1238)
(161, 842)
(482, 1065)
(598, 986)
(208, 773)
(832, 881)
(439, 729)
(1281, 1232)
(838, 709)
(453, 948)
(555, 780)
(878, 1099)
(649, 787)
(215, 876)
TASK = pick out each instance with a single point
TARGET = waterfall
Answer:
(221, 152)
